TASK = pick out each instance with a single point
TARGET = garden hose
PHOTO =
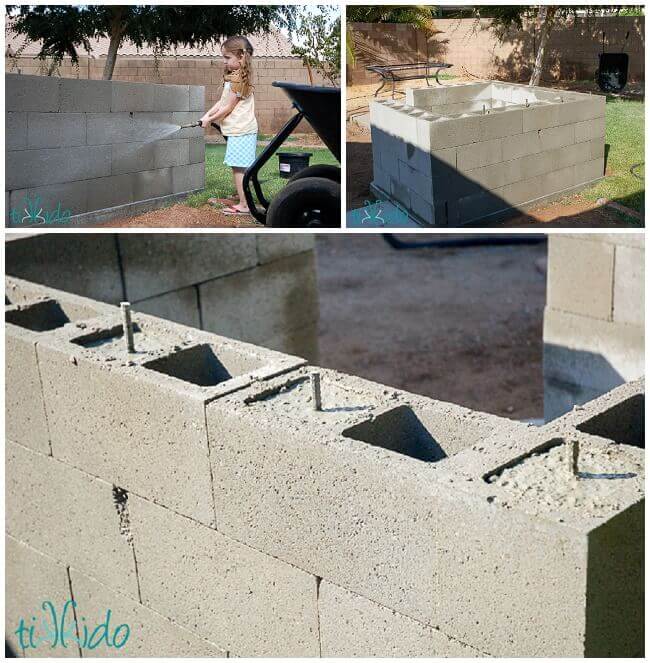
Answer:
(634, 167)
(460, 242)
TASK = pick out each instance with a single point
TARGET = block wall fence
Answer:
(594, 318)
(272, 106)
(256, 288)
(572, 52)
(99, 149)
(193, 489)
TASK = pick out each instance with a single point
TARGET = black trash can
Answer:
(293, 162)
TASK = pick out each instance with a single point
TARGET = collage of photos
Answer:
(324, 331)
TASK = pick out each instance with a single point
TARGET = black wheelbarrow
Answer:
(312, 197)
(612, 69)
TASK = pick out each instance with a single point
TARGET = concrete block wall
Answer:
(259, 289)
(594, 318)
(478, 152)
(193, 489)
(97, 149)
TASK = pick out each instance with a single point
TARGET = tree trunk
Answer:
(117, 32)
(546, 18)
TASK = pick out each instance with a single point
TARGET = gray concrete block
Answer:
(85, 96)
(256, 605)
(580, 276)
(302, 342)
(55, 130)
(15, 131)
(147, 633)
(571, 155)
(175, 152)
(46, 498)
(351, 625)
(36, 168)
(65, 261)
(188, 178)
(499, 125)
(589, 171)
(112, 128)
(279, 295)
(171, 98)
(132, 97)
(416, 182)
(541, 117)
(481, 154)
(556, 137)
(629, 286)
(182, 118)
(32, 578)
(197, 98)
(400, 192)
(65, 199)
(276, 246)
(180, 305)
(561, 397)
(461, 131)
(590, 129)
(423, 207)
(111, 191)
(157, 263)
(197, 149)
(132, 157)
(521, 145)
(32, 93)
(152, 183)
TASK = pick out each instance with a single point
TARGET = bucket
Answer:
(293, 162)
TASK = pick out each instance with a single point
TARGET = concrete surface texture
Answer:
(85, 150)
(594, 318)
(195, 489)
(478, 152)
(256, 288)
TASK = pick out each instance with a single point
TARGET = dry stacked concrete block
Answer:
(593, 321)
(401, 500)
(31, 579)
(178, 306)
(275, 296)
(69, 515)
(139, 417)
(87, 150)
(156, 264)
(134, 630)
(351, 625)
(473, 152)
(250, 603)
(274, 247)
(30, 313)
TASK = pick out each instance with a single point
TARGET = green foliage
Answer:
(65, 29)
(320, 48)
(218, 178)
(419, 16)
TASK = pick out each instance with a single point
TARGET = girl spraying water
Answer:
(235, 112)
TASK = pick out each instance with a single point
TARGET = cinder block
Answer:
(31, 579)
(63, 261)
(280, 295)
(132, 157)
(15, 131)
(171, 98)
(175, 152)
(302, 342)
(180, 306)
(46, 498)
(55, 130)
(197, 150)
(590, 129)
(461, 131)
(197, 98)
(416, 182)
(556, 137)
(498, 125)
(32, 93)
(571, 155)
(481, 154)
(541, 117)
(514, 147)
(149, 184)
(69, 198)
(188, 178)
(112, 128)
(351, 625)
(35, 168)
(132, 97)
(423, 207)
(558, 180)
(629, 282)
(400, 192)
(110, 192)
(276, 246)
(589, 170)
(182, 118)
(257, 605)
(157, 263)
(146, 633)
(85, 96)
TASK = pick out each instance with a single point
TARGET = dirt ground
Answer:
(459, 325)
(569, 213)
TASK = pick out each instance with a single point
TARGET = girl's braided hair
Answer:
(243, 49)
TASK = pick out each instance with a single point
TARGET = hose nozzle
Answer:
(191, 126)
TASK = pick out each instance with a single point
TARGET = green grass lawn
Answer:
(218, 178)
(625, 137)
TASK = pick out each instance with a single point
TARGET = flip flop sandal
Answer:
(233, 211)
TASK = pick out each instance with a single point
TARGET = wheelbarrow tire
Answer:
(307, 202)
(319, 170)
